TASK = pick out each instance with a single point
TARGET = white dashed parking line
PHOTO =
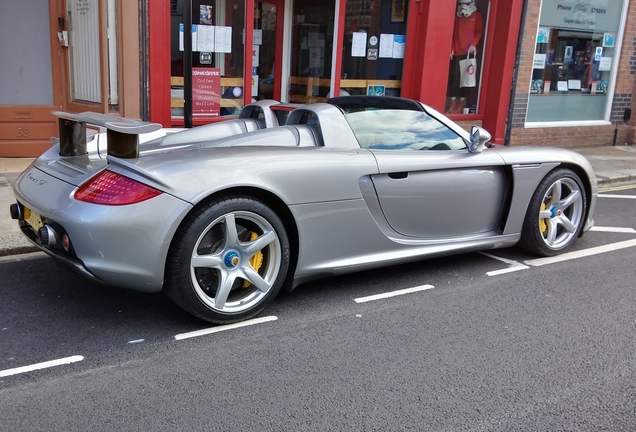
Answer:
(614, 230)
(221, 328)
(581, 253)
(617, 196)
(516, 265)
(393, 293)
(43, 365)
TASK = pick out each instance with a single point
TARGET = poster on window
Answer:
(397, 10)
(539, 61)
(399, 46)
(194, 37)
(206, 92)
(205, 38)
(386, 45)
(605, 64)
(223, 39)
(358, 44)
(543, 35)
(376, 90)
(205, 15)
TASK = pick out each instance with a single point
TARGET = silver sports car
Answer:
(221, 217)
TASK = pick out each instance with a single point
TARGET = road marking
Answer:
(617, 188)
(614, 230)
(514, 265)
(218, 329)
(43, 365)
(393, 293)
(582, 253)
(507, 270)
(617, 196)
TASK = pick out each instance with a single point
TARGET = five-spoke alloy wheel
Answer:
(556, 214)
(229, 258)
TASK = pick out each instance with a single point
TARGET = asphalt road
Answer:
(496, 342)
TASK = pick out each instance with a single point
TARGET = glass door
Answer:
(83, 33)
(267, 49)
(312, 48)
(217, 53)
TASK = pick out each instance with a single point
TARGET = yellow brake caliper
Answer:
(256, 261)
(542, 225)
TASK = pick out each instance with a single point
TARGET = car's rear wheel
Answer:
(228, 260)
(555, 215)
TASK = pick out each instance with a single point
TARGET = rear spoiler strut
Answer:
(122, 136)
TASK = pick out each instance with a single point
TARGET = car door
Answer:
(429, 186)
(436, 194)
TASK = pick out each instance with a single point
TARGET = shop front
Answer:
(458, 57)
(571, 90)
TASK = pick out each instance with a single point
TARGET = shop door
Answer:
(268, 49)
(85, 43)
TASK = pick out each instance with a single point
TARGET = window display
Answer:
(466, 57)
(573, 61)
(373, 47)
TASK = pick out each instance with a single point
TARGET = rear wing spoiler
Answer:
(122, 133)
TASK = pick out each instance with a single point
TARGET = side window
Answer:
(401, 130)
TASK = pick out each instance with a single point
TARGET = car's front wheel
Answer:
(229, 258)
(556, 214)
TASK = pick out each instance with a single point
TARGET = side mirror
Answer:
(478, 139)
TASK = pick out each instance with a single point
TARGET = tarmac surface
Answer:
(613, 165)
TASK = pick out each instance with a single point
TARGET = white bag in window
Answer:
(468, 71)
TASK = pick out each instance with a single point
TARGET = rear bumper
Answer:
(64, 259)
(124, 246)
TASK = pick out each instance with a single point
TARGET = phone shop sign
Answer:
(600, 15)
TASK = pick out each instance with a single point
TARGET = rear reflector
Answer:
(109, 188)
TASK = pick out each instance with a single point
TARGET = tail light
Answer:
(110, 188)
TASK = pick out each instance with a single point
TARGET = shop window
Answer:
(217, 59)
(466, 56)
(575, 54)
(312, 46)
(373, 48)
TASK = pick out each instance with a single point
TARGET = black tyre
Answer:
(556, 214)
(228, 260)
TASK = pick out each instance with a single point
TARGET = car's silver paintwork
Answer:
(120, 245)
(349, 208)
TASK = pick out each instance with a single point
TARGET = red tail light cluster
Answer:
(110, 188)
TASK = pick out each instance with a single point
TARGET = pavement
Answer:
(613, 165)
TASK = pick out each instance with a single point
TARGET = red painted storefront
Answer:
(424, 73)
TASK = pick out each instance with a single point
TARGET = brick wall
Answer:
(577, 136)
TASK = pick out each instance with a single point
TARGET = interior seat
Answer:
(307, 120)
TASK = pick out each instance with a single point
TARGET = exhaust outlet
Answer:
(14, 210)
(47, 236)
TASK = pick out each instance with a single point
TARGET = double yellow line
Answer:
(617, 188)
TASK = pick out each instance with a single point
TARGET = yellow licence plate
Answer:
(32, 218)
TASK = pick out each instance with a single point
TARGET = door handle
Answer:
(399, 175)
